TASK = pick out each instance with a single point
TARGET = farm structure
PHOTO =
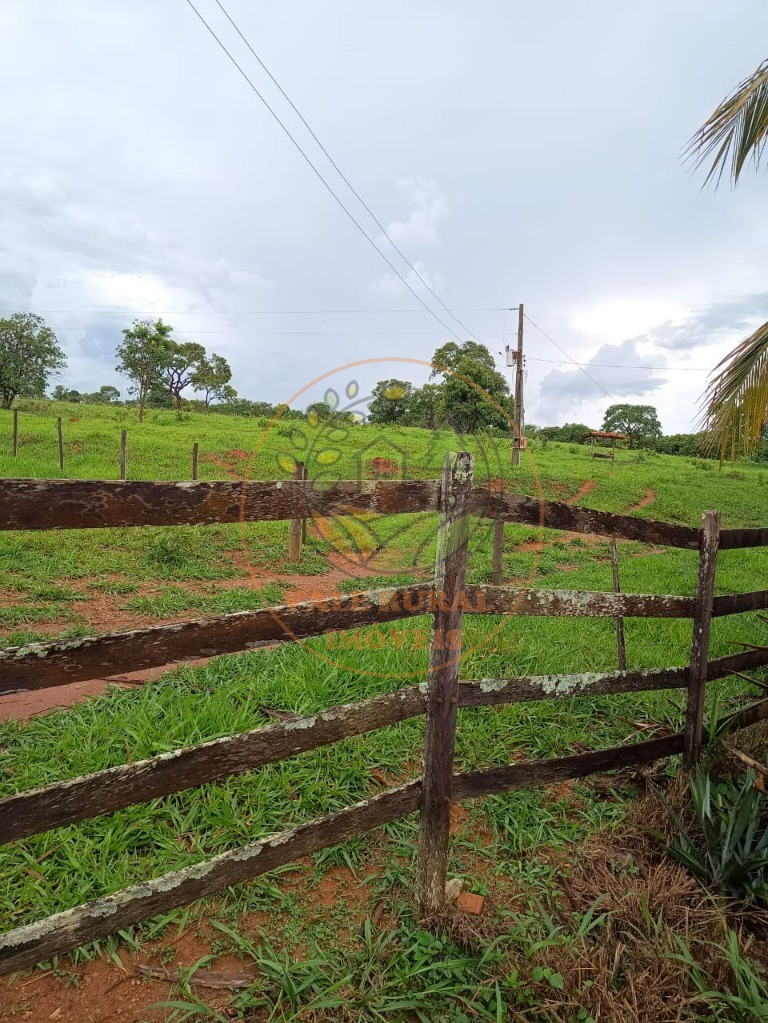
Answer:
(62, 504)
(610, 435)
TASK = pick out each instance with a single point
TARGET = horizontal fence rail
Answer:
(731, 539)
(88, 504)
(32, 943)
(556, 515)
(98, 504)
(67, 802)
(42, 665)
(45, 665)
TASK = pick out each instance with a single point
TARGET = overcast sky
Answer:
(513, 151)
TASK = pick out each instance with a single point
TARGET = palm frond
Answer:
(736, 399)
(736, 130)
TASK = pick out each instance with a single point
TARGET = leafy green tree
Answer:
(568, 433)
(736, 398)
(144, 355)
(29, 356)
(183, 362)
(639, 422)
(211, 376)
(424, 407)
(108, 394)
(390, 401)
(472, 388)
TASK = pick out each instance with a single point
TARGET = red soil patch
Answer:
(102, 613)
(230, 461)
(650, 497)
(382, 466)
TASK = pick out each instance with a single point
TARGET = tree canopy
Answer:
(390, 401)
(211, 375)
(143, 355)
(639, 422)
(29, 356)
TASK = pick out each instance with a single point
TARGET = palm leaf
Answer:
(736, 130)
(736, 399)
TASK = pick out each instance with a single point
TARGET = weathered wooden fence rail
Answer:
(31, 504)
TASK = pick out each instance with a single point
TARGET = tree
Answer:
(390, 401)
(736, 399)
(144, 355)
(29, 356)
(472, 388)
(639, 422)
(568, 433)
(424, 407)
(212, 376)
(108, 394)
(184, 359)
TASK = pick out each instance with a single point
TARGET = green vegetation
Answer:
(515, 849)
(736, 398)
(29, 355)
(638, 422)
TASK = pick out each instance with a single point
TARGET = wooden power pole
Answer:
(517, 356)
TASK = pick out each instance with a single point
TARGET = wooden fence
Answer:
(61, 504)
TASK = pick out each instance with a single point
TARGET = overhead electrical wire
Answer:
(262, 312)
(341, 173)
(321, 178)
(617, 365)
(569, 357)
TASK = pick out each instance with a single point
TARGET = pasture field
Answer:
(304, 928)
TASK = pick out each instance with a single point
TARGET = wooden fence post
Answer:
(443, 693)
(61, 444)
(620, 647)
(303, 521)
(295, 528)
(702, 621)
(123, 444)
(195, 452)
(15, 432)
(498, 552)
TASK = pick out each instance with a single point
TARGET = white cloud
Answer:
(428, 208)
(392, 285)
(628, 317)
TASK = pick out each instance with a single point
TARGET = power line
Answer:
(611, 365)
(320, 177)
(569, 357)
(330, 334)
(341, 173)
(264, 312)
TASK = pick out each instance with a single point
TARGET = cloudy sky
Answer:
(513, 152)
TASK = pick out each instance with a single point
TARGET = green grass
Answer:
(46, 577)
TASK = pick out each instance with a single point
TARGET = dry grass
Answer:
(625, 969)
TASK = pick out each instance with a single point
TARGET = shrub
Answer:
(729, 849)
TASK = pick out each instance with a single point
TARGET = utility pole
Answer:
(517, 358)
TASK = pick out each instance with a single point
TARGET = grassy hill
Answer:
(55, 584)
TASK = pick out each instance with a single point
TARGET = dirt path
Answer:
(650, 497)
(586, 488)
(102, 615)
